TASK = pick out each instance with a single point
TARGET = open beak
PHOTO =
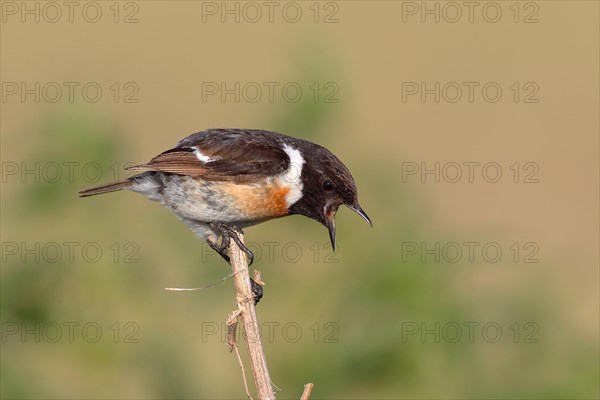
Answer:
(356, 208)
(330, 220)
(330, 223)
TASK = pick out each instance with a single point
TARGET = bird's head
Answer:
(326, 184)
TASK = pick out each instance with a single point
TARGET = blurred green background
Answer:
(372, 320)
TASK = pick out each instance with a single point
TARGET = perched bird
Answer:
(222, 180)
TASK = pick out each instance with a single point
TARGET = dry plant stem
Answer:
(232, 322)
(307, 389)
(241, 363)
(245, 301)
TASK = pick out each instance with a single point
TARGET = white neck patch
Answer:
(201, 157)
(292, 176)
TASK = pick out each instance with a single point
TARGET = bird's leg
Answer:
(221, 249)
(233, 231)
(257, 289)
(228, 233)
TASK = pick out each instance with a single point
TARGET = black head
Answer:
(326, 184)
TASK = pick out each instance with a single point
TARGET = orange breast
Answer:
(277, 200)
(259, 200)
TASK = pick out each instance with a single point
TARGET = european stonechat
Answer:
(221, 180)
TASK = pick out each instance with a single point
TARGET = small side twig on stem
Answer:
(232, 323)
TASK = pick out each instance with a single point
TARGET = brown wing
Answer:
(223, 155)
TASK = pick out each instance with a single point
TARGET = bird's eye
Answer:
(327, 185)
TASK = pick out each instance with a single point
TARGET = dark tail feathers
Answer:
(110, 187)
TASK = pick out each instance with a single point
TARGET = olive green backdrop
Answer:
(471, 130)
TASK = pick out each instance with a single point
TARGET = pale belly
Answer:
(226, 202)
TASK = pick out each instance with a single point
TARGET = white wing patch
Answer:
(201, 157)
(292, 176)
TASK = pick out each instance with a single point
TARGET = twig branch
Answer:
(245, 302)
(177, 289)
(307, 389)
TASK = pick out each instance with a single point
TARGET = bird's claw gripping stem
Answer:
(231, 233)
